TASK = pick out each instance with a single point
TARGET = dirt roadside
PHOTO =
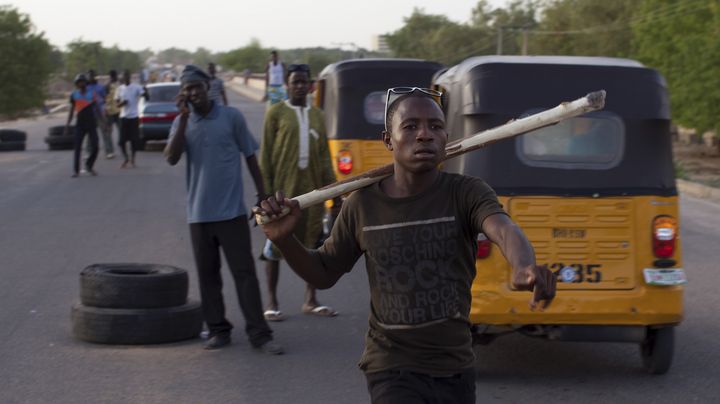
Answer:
(697, 167)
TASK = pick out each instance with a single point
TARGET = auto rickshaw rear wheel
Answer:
(657, 350)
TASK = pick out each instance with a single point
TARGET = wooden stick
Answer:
(591, 102)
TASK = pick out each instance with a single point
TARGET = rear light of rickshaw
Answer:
(483, 246)
(344, 162)
(664, 235)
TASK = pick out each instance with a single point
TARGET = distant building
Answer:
(378, 43)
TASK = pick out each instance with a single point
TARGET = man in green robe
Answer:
(294, 157)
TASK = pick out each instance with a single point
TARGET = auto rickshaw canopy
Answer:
(346, 85)
(487, 91)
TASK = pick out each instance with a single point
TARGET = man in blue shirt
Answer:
(214, 137)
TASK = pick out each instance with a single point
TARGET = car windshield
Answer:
(163, 93)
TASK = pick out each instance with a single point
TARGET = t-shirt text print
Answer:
(412, 262)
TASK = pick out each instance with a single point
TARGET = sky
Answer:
(225, 25)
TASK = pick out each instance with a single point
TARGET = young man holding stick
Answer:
(417, 229)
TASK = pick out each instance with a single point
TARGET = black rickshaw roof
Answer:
(497, 84)
(369, 63)
(349, 82)
(488, 91)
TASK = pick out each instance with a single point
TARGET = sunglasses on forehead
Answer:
(396, 92)
(298, 68)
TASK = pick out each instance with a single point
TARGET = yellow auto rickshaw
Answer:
(352, 95)
(595, 195)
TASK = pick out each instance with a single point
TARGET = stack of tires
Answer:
(58, 140)
(12, 140)
(130, 304)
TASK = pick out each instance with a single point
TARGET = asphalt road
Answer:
(52, 226)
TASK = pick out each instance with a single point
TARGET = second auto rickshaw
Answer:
(595, 195)
(352, 94)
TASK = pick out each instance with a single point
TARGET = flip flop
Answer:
(274, 315)
(322, 311)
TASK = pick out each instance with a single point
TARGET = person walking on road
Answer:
(294, 157)
(112, 114)
(215, 137)
(83, 100)
(127, 97)
(217, 88)
(418, 232)
(275, 80)
(101, 94)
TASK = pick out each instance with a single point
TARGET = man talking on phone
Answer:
(214, 137)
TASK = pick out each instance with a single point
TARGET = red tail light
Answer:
(664, 235)
(483, 247)
(344, 162)
(162, 117)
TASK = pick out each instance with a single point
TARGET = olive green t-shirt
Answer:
(420, 258)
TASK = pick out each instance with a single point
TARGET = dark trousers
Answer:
(106, 127)
(234, 238)
(404, 387)
(80, 132)
(129, 132)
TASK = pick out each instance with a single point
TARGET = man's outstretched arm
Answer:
(519, 253)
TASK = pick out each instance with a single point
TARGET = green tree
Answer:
(119, 59)
(434, 37)
(202, 56)
(174, 56)
(412, 40)
(512, 25)
(251, 56)
(585, 28)
(25, 63)
(83, 55)
(680, 39)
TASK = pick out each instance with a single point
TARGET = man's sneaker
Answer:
(110, 156)
(83, 171)
(271, 348)
(217, 341)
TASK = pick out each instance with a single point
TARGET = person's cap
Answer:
(193, 73)
(80, 77)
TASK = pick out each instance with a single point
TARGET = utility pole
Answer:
(525, 41)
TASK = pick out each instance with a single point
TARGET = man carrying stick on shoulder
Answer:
(417, 229)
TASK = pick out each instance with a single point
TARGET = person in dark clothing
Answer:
(83, 100)
(418, 232)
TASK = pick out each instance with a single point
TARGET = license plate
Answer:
(665, 277)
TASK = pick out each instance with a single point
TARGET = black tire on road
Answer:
(133, 286)
(657, 350)
(12, 146)
(136, 326)
(60, 142)
(12, 135)
(60, 130)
